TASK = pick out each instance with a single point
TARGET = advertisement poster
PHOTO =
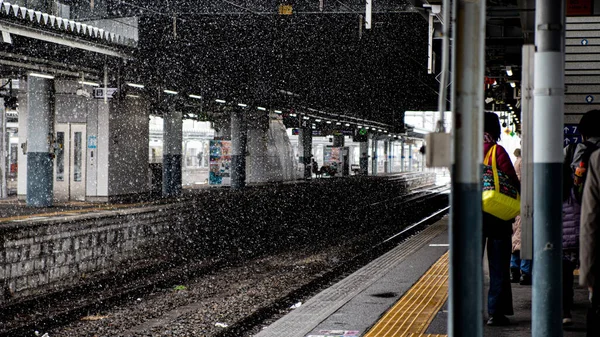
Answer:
(332, 159)
(220, 163)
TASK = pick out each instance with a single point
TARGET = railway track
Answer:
(53, 312)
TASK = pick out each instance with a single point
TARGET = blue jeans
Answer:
(499, 294)
(517, 263)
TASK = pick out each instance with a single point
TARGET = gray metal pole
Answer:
(402, 155)
(466, 270)
(238, 149)
(39, 133)
(172, 156)
(410, 158)
(374, 156)
(385, 155)
(548, 109)
(3, 152)
(364, 158)
(305, 149)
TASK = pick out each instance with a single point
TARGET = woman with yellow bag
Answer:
(500, 207)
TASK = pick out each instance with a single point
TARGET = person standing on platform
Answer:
(575, 177)
(497, 233)
(520, 270)
(589, 270)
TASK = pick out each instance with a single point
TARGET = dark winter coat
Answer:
(571, 221)
(572, 207)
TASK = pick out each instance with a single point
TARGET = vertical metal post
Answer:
(39, 135)
(364, 158)
(527, 153)
(338, 140)
(548, 109)
(238, 149)
(430, 46)
(172, 156)
(374, 156)
(3, 153)
(305, 149)
(368, 10)
(385, 154)
(466, 271)
(391, 155)
(410, 158)
(402, 155)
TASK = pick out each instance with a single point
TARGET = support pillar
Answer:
(374, 157)
(238, 151)
(386, 160)
(172, 157)
(305, 150)
(260, 168)
(465, 230)
(548, 106)
(39, 160)
(338, 141)
(3, 153)
(410, 157)
(402, 156)
(391, 156)
(364, 158)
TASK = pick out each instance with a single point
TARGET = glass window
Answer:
(77, 156)
(60, 156)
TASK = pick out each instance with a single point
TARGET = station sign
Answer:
(99, 93)
(579, 7)
(571, 134)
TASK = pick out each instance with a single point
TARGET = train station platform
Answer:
(404, 293)
(13, 209)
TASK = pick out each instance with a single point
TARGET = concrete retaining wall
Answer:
(41, 256)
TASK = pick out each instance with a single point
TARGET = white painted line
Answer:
(439, 245)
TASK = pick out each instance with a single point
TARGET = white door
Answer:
(69, 164)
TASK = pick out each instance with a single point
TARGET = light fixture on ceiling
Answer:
(277, 111)
(513, 84)
(261, 108)
(135, 85)
(170, 92)
(93, 84)
(50, 77)
(318, 120)
(195, 96)
(509, 71)
(306, 118)
(242, 105)
(220, 101)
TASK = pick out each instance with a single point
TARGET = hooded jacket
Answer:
(589, 270)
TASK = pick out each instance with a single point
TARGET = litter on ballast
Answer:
(221, 325)
(93, 318)
(296, 306)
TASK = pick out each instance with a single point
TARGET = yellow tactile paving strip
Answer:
(71, 212)
(413, 313)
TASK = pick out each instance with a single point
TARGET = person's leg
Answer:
(500, 294)
(515, 263)
(567, 293)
